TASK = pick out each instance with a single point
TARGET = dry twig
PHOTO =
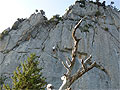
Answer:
(68, 78)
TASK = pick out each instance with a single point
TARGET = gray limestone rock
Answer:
(100, 38)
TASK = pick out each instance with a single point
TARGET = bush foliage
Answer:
(4, 33)
(2, 80)
(28, 76)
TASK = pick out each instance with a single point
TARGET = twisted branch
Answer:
(87, 64)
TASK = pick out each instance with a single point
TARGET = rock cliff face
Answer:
(100, 34)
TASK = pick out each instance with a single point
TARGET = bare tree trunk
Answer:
(68, 79)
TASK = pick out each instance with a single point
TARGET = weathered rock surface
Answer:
(100, 38)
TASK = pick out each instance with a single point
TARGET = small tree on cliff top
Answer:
(28, 77)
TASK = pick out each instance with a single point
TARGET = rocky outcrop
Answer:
(100, 34)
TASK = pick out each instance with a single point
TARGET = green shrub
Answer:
(15, 25)
(82, 3)
(94, 2)
(2, 80)
(4, 33)
(55, 18)
(85, 28)
(1, 36)
(106, 29)
(97, 13)
(91, 2)
(28, 76)
(90, 25)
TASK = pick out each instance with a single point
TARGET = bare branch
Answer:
(88, 60)
(101, 68)
(87, 64)
(75, 28)
(68, 64)
(83, 65)
(79, 73)
(69, 67)
(68, 60)
(68, 70)
(76, 41)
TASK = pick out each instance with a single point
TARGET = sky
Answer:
(10, 10)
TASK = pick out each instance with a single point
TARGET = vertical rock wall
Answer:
(100, 37)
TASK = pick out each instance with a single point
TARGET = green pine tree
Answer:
(2, 80)
(28, 77)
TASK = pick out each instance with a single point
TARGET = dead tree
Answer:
(68, 78)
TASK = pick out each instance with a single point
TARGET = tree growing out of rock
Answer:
(68, 78)
(28, 77)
